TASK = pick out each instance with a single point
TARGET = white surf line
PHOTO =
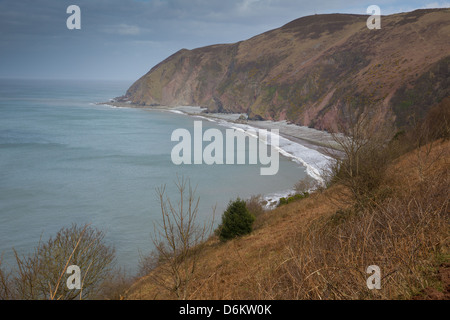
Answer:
(312, 160)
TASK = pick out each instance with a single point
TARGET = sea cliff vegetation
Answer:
(385, 203)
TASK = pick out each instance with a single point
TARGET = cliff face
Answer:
(314, 70)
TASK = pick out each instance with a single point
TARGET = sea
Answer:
(66, 159)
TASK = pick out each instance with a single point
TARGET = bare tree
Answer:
(360, 163)
(179, 239)
(42, 275)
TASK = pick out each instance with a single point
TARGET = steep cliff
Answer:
(314, 70)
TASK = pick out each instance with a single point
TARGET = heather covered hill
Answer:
(314, 70)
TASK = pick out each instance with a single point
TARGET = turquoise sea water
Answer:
(65, 160)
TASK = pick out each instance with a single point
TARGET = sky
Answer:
(124, 39)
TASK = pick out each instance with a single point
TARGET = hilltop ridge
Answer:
(314, 71)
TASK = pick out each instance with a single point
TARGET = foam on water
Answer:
(314, 161)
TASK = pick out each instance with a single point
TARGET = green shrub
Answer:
(293, 198)
(282, 201)
(236, 221)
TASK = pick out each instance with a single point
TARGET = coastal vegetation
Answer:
(42, 274)
(236, 221)
(384, 200)
(178, 240)
(385, 203)
(293, 198)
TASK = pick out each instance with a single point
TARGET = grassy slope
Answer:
(305, 250)
(310, 69)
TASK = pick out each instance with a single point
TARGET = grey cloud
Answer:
(124, 38)
(125, 29)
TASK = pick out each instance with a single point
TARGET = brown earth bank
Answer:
(431, 293)
(314, 71)
(320, 247)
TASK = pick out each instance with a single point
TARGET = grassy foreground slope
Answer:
(320, 247)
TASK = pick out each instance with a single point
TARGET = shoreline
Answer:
(317, 139)
(298, 142)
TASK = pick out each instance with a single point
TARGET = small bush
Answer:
(236, 221)
(307, 184)
(254, 206)
(342, 216)
(293, 198)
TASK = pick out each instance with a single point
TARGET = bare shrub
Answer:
(254, 205)
(426, 135)
(361, 163)
(147, 263)
(438, 121)
(179, 240)
(42, 275)
(306, 185)
(116, 286)
(403, 235)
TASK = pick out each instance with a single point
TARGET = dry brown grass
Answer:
(320, 248)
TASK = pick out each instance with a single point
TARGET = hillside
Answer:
(314, 71)
(319, 247)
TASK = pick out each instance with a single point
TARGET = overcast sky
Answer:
(123, 39)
